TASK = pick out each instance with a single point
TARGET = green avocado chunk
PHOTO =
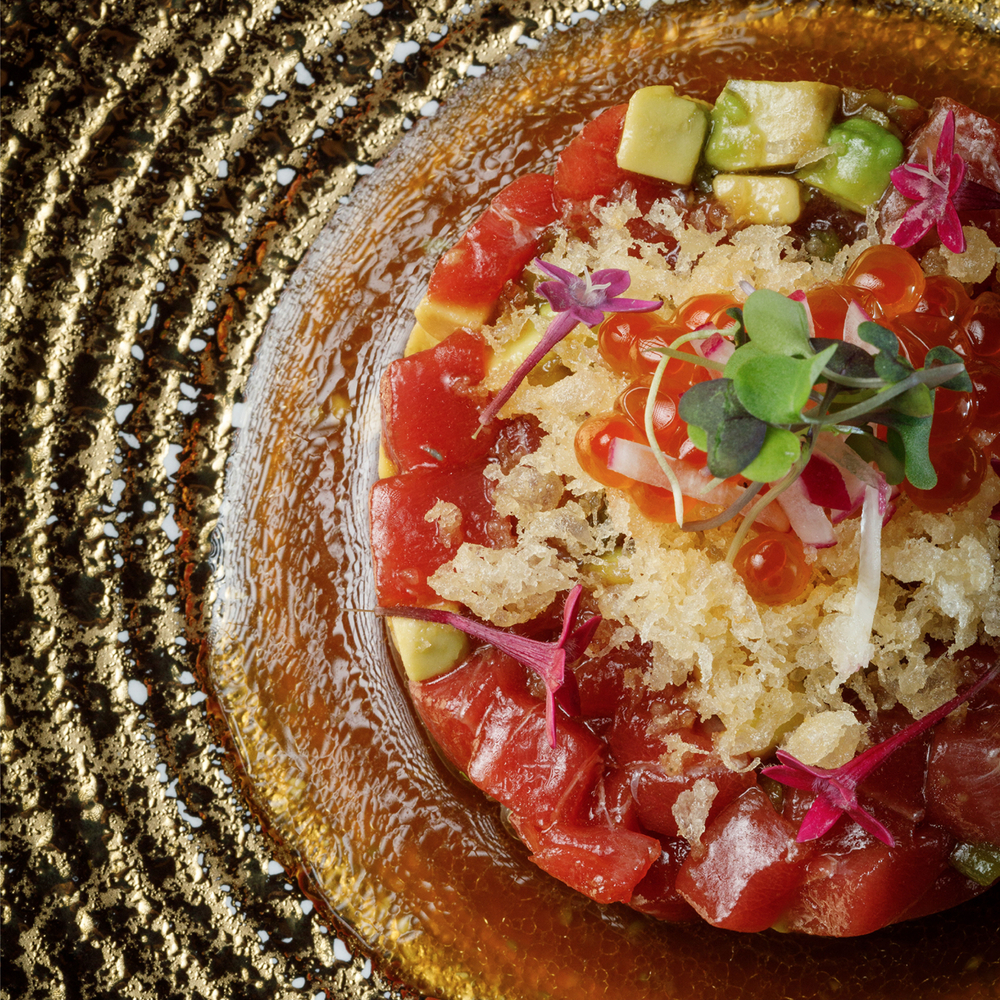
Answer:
(856, 170)
(758, 124)
(663, 134)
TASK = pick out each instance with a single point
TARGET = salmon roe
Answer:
(923, 311)
(593, 446)
(888, 278)
(670, 430)
(773, 566)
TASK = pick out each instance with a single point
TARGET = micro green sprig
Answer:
(782, 387)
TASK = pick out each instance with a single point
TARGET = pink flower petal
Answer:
(946, 142)
(553, 271)
(914, 227)
(632, 305)
(614, 279)
(790, 776)
(818, 820)
(559, 296)
(868, 822)
(547, 659)
(950, 230)
(913, 182)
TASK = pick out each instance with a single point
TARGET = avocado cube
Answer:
(427, 649)
(767, 201)
(663, 134)
(758, 124)
(440, 318)
(856, 170)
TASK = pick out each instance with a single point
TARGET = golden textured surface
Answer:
(165, 167)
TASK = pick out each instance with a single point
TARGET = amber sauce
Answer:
(389, 840)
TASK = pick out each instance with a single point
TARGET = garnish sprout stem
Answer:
(871, 405)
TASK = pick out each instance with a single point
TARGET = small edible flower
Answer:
(933, 190)
(547, 659)
(836, 788)
(576, 300)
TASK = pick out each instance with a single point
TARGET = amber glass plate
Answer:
(166, 167)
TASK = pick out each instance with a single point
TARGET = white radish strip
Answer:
(857, 651)
(808, 520)
(637, 461)
(852, 320)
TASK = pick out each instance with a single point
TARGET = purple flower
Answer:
(932, 189)
(836, 788)
(576, 300)
(547, 659)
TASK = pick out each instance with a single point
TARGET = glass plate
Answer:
(166, 167)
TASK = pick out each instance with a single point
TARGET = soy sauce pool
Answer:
(387, 838)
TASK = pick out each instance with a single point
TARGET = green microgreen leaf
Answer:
(698, 437)
(737, 440)
(942, 355)
(780, 451)
(914, 433)
(732, 436)
(739, 335)
(777, 324)
(776, 388)
(850, 365)
(915, 402)
(740, 357)
(701, 405)
(888, 364)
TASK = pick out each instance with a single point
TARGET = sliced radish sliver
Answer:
(838, 451)
(800, 296)
(825, 485)
(856, 652)
(808, 520)
(855, 316)
(637, 461)
(715, 348)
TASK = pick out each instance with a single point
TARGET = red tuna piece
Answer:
(588, 168)
(747, 868)
(495, 248)
(431, 403)
(408, 548)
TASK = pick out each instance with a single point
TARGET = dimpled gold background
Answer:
(165, 167)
